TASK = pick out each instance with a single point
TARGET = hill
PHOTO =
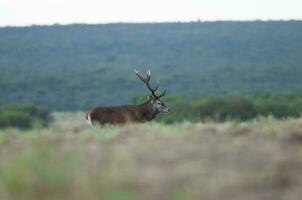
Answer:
(78, 66)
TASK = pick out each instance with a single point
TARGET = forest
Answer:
(79, 66)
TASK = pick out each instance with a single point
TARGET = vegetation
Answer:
(230, 107)
(79, 66)
(254, 152)
(197, 109)
(256, 160)
(24, 116)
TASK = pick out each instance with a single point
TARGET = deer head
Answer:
(154, 100)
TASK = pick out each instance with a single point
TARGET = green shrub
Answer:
(230, 107)
(227, 107)
(24, 116)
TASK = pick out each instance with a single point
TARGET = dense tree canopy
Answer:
(79, 66)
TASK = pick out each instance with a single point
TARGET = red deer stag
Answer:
(130, 113)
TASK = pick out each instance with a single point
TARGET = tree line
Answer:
(233, 107)
(80, 66)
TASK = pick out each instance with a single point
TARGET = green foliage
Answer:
(24, 116)
(232, 107)
(229, 107)
(80, 66)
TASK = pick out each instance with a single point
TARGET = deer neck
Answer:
(147, 113)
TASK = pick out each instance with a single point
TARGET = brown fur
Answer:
(122, 114)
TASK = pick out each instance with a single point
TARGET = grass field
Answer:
(69, 160)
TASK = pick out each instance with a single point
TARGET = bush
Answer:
(231, 107)
(24, 116)
(228, 107)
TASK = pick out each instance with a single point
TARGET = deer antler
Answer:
(147, 81)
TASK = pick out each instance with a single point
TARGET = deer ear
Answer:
(150, 98)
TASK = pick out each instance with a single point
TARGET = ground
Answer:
(260, 159)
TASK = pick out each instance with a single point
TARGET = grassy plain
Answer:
(261, 159)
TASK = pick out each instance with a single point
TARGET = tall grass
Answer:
(260, 159)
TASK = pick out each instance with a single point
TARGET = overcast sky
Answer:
(28, 12)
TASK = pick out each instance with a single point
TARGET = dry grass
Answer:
(255, 160)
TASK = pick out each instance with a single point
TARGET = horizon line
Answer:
(146, 22)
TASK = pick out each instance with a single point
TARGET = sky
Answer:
(41, 12)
